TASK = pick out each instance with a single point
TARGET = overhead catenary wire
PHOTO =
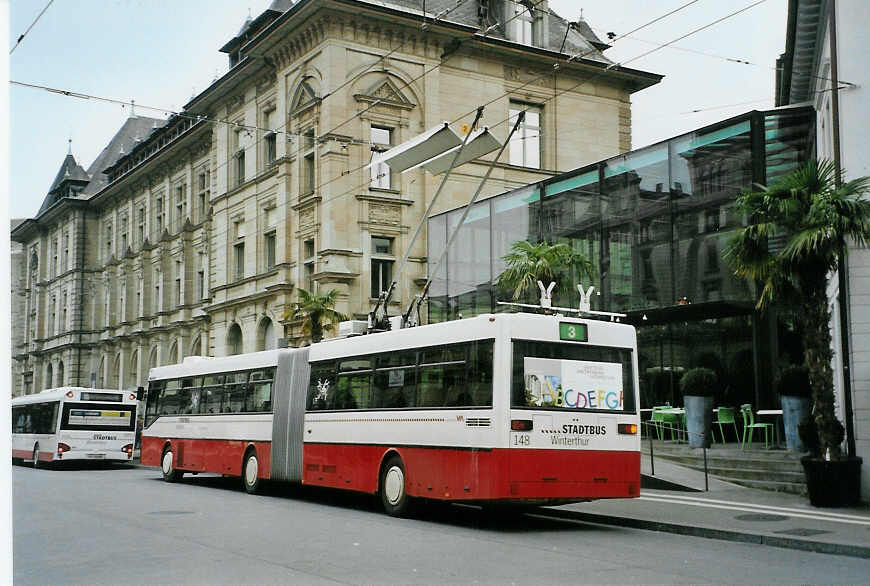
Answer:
(24, 34)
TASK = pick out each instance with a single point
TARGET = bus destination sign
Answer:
(573, 332)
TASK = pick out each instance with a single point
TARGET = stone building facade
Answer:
(190, 236)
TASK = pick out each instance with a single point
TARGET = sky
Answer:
(161, 53)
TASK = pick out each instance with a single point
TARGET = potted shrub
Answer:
(699, 386)
(795, 392)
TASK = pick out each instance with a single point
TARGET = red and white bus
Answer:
(74, 423)
(498, 408)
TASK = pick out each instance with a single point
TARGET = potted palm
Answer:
(699, 386)
(795, 392)
(813, 216)
(317, 313)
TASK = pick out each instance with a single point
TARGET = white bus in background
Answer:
(73, 423)
(502, 408)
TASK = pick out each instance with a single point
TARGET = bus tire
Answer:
(36, 456)
(170, 474)
(251, 472)
(394, 499)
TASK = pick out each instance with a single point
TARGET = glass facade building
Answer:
(654, 222)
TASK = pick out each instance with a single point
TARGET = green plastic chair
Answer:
(663, 420)
(726, 415)
(749, 426)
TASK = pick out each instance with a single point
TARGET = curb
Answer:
(858, 551)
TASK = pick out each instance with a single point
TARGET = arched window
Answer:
(49, 376)
(133, 372)
(173, 354)
(60, 373)
(101, 373)
(152, 361)
(234, 340)
(196, 347)
(112, 380)
(266, 335)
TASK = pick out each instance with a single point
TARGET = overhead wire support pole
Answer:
(384, 297)
(520, 118)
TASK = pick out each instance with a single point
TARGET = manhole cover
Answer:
(760, 517)
(800, 532)
(171, 513)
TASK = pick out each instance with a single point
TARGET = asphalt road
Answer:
(126, 526)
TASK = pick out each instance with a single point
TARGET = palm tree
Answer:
(529, 263)
(317, 313)
(813, 217)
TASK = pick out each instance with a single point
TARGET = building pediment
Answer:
(386, 92)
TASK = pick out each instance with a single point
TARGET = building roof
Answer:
(69, 171)
(134, 130)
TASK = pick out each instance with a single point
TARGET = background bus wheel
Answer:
(170, 474)
(250, 473)
(36, 456)
(392, 488)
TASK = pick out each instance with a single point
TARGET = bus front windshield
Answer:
(571, 376)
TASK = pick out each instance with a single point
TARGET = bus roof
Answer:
(60, 393)
(198, 365)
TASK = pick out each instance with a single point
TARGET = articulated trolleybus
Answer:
(73, 423)
(500, 408)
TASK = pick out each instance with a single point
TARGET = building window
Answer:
(180, 206)
(521, 23)
(381, 139)
(123, 235)
(200, 277)
(108, 242)
(63, 313)
(158, 302)
(179, 293)
(239, 256)
(270, 141)
(308, 267)
(239, 157)
(141, 225)
(158, 217)
(525, 146)
(202, 194)
(54, 258)
(308, 172)
(270, 242)
(382, 268)
(65, 251)
(52, 314)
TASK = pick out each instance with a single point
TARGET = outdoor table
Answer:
(777, 413)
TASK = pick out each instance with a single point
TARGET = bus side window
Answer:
(480, 373)
(261, 391)
(155, 390)
(212, 393)
(321, 385)
(237, 390)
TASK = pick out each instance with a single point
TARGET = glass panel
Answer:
(468, 273)
(788, 141)
(515, 216)
(394, 383)
(351, 392)
(321, 385)
(572, 215)
(436, 241)
(261, 381)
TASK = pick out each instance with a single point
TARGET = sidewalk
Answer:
(674, 501)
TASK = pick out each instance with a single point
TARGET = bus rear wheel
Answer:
(251, 473)
(170, 474)
(394, 499)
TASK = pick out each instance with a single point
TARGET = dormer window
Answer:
(521, 25)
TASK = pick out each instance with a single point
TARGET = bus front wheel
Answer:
(170, 474)
(250, 473)
(395, 500)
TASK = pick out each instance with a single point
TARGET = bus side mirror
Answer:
(140, 393)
